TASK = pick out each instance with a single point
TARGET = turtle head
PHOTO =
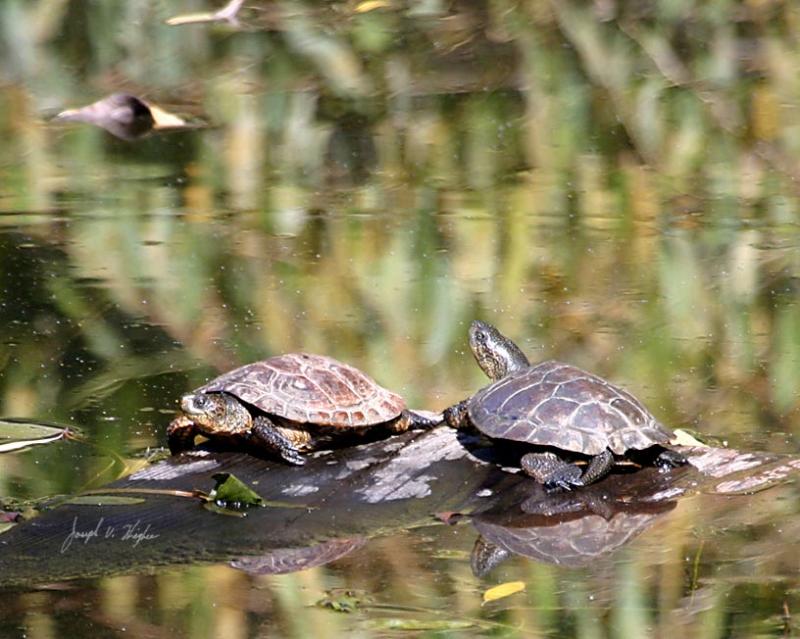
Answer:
(216, 412)
(496, 354)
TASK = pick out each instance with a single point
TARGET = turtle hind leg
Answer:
(670, 459)
(268, 435)
(416, 420)
(599, 467)
(554, 472)
(551, 470)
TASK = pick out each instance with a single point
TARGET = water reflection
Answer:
(286, 560)
(575, 528)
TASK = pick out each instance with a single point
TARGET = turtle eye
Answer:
(480, 337)
(200, 401)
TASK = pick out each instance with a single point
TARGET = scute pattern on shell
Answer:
(308, 388)
(555, 404)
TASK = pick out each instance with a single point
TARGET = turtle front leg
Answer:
(456, 416)
(180, 434)
(551, 470)
(268, 435)
(554, 472)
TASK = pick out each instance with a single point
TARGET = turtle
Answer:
(290, 403)
(559, 407)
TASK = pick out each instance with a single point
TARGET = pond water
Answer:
(613, 185)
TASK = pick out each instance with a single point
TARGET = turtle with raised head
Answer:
(291, 403)
(560, 408)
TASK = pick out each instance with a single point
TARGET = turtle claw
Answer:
(558, 485)
(293, 457)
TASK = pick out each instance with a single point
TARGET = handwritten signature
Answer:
(134, 533)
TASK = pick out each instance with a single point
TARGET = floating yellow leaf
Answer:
(165, 120)
(371, 5)
(503, 590)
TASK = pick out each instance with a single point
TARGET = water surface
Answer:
(613, 186)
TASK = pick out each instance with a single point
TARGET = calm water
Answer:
(613, 187)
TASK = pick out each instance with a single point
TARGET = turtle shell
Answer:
(555, 404)
(310, 389)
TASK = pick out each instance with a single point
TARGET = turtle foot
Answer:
(670, 459)
(277, 440)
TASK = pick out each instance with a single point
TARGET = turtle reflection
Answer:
(572, 529)
(285, 560)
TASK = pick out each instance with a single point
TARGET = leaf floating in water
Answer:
(421, 624)
(125, 116)
(231, 492)
(15, 436)
(164, 119)
(503, 590)
(104, 500)
(344, 600)
(371, 5)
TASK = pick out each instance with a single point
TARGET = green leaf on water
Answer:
(344, 600)
(6, 525)
(104, 500)
(18, 435)
(231, 492)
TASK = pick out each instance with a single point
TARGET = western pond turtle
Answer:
(560, 407)
(288, 404)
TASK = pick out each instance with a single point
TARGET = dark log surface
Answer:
(340, 499)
